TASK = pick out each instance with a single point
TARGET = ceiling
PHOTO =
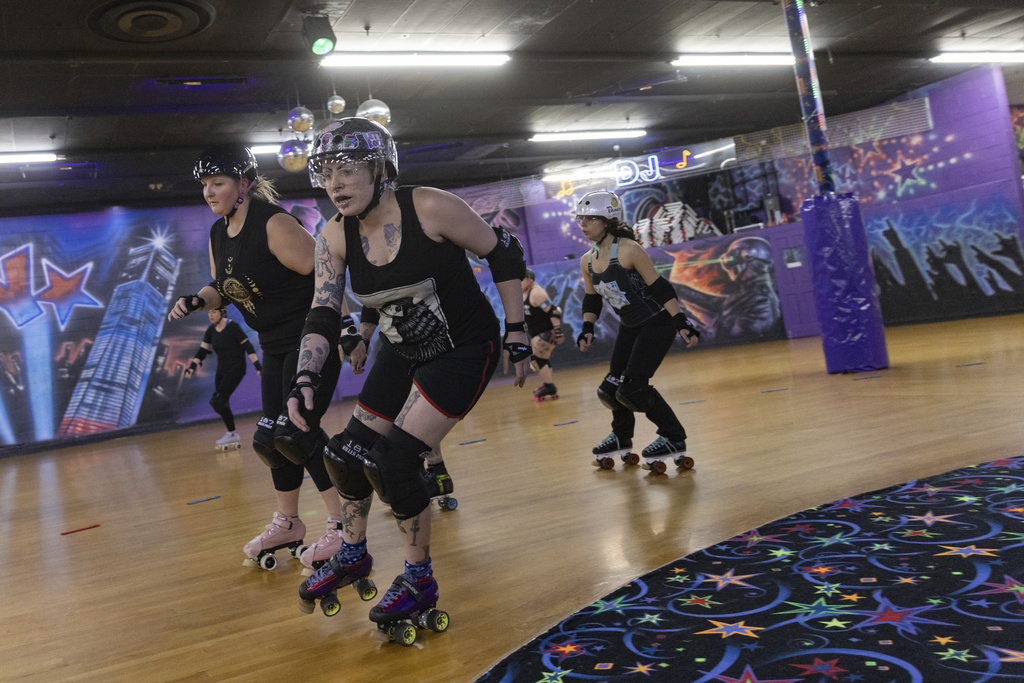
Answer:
(109, 84)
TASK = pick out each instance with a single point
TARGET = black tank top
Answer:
(272, 298)
(428, 298)
(227, 344)
(538, 321)
(625, 290)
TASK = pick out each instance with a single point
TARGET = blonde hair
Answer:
(263, 189)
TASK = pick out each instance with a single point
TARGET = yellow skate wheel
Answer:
(330, 605)
(367, 589)
(406, 634)
(437, 621)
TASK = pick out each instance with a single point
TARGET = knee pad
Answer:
(636, 396)
(541, 362)
(263, 444)
(298, 446)
(218, 402)
(395, 467)
(606, 392)
(344, 458)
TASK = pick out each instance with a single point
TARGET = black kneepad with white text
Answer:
(344, 458)
(263, 444)
(395, 467)
(296, 445)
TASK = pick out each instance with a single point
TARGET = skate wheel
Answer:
(607, 463)
(268, 561)
(437, 621)
(306, 606)
(405, 634)
(367, 589)
(658, 467)
(330, 605)
(298, 550)
(449, 503)
(630, 458)
(685, 462)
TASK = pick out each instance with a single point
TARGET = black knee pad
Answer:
(344, 458)
(637, 396)
(606, 392)
(395, 468)
(541, 362)
(218, 402)
(298, 446)
(263, 444)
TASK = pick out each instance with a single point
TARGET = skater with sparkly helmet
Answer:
(229, 343)
(261, 260)
(544, 323)
(403, 250)
(617, 270)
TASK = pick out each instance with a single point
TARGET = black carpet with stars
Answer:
(922, 582)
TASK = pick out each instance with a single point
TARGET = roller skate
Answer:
(409, 604)
(440, 484)
(282, 532)
(317, 554)
(229, 442)
(661, 448)
(323, 585)
(544, 392)
(605, 452)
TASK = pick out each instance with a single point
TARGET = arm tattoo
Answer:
(313, 354)
(330, 287)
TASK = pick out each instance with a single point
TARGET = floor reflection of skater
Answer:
(544, 323)
(226, 339)
(619, 271)
(261, 260)
(404, 252)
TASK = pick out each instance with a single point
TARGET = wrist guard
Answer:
(559, 335)
(350, 338)
(588, 328)
(517, 351)
(258, 365)
(681, 322)
(302, 379)
(189, 306)
(193, 365)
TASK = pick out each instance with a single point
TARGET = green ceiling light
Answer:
(318, 34)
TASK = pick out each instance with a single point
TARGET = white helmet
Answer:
(601, 203)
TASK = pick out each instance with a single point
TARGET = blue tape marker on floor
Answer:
(969, 364)
(686, 403)
(204, 500)
(466, 443)
(768, 391)
(562, 424)
(871, 377)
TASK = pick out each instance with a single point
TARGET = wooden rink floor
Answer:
(157, 592)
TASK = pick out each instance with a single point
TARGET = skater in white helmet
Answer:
(619, 271)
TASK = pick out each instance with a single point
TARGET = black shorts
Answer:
(452, 383)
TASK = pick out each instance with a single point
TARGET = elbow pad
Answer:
(592, 303)
(201, 354)
(325, 321)
(662, 290)
(248, 347)
(506, 259)
(369, 316)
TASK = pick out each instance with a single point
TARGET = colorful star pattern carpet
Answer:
(922, 582)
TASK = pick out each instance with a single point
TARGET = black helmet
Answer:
(352, 139)
(233, 160)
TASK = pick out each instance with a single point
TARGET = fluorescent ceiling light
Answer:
(27, 157)
(588, 135)
(754, 59)
(583, 173)
(265, 149)
(372, 60)
(978, 57)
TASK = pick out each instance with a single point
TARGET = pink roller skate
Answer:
(321, 551)
(282, 532)
(409, 604)
(323, 585)
(545, 392)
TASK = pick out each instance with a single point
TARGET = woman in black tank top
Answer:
(618, 271)
(404, 252)
(261, 259)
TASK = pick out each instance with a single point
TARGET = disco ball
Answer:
(376, 111)
(336, 104)
(300, 119)
(293, 155)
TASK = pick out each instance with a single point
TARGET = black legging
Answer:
(275, 383)
(636, 357)
(224, 384)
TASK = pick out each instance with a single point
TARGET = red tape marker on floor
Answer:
(75, 531)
